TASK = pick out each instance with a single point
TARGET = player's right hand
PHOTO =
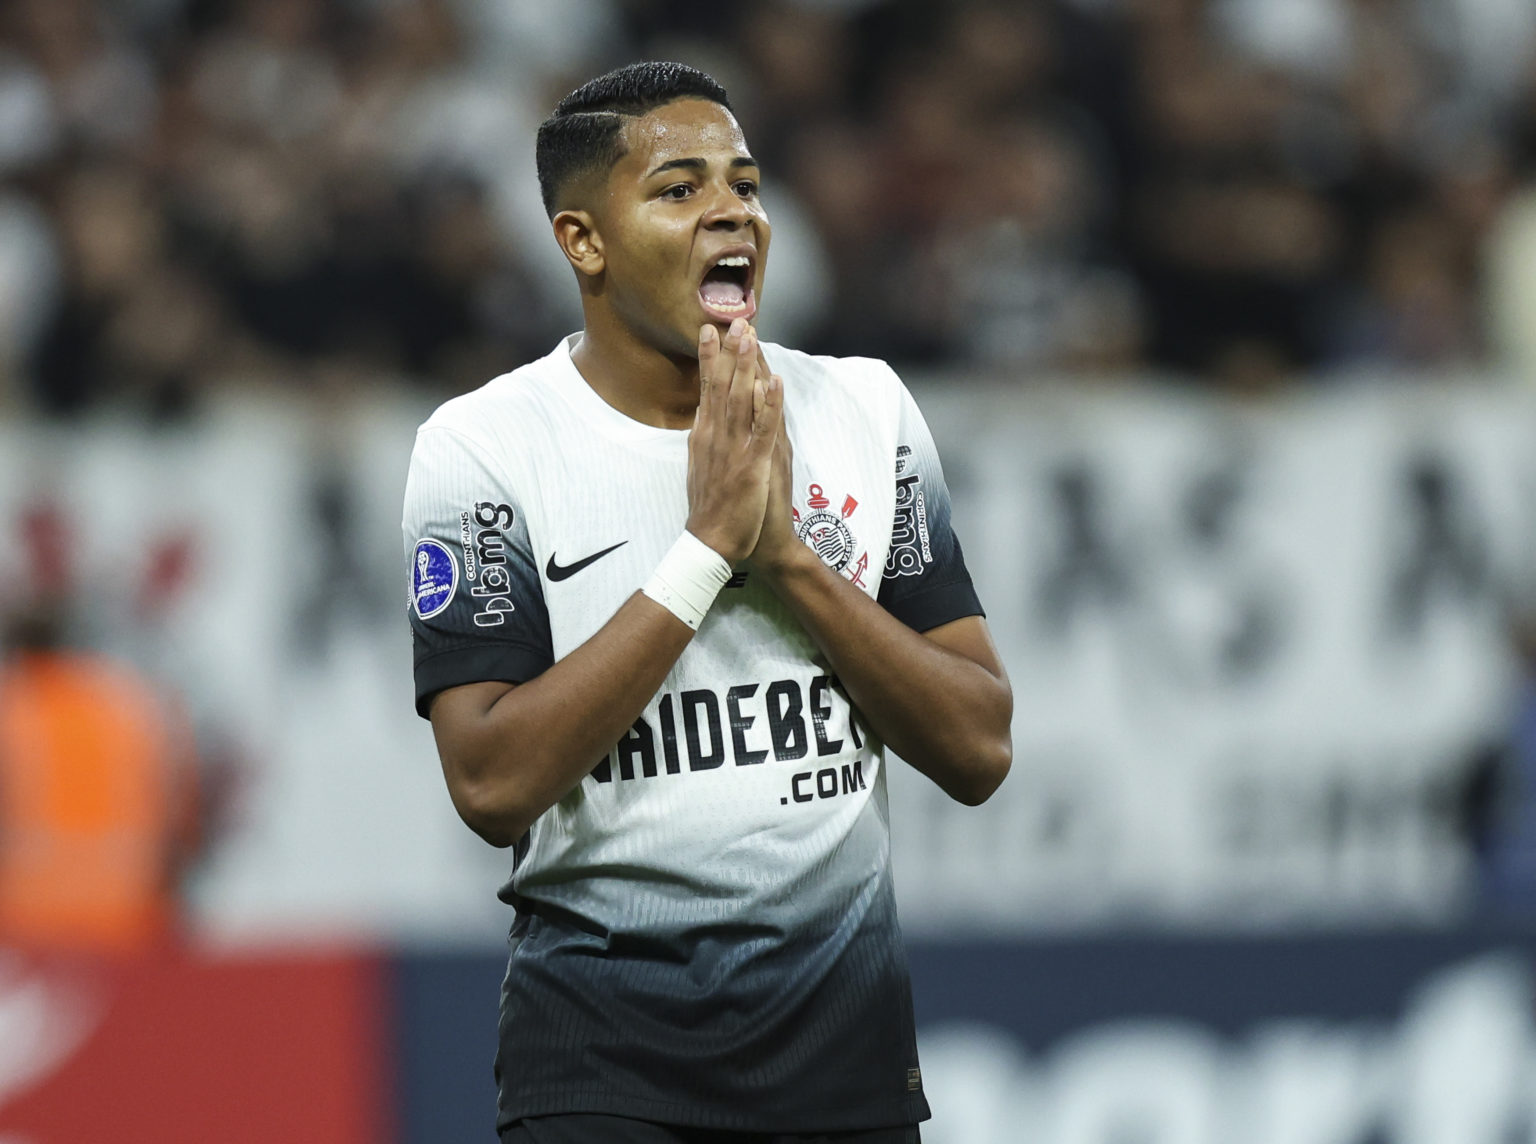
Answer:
(730, 449)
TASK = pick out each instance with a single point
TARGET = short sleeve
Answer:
(476, 606)
(925, 581)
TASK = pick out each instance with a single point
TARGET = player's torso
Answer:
(750, 753)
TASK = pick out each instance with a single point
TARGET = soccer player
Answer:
(673, 593)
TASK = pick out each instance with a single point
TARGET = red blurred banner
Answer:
(190, 1048)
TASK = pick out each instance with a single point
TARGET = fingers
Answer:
(768, 424)
(719, 358)
(709, 354)
(760, 387)
(734, 381)
(739, 400)
(730, 451)
(729, 357)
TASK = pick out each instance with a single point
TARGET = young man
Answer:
(673, 592)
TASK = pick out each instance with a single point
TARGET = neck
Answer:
(639, 380)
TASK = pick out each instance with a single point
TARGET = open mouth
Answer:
(726, 291)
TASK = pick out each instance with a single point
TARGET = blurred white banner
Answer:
(1257, 651)
(1260, 654)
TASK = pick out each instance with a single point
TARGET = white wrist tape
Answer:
(688, 579)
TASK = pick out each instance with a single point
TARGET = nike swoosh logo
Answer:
(564, 572)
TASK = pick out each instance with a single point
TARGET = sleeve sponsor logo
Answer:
(434, 576)
(493, 595)
(910, 549)
(467, 546)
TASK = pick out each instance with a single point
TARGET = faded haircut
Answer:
(584, 133)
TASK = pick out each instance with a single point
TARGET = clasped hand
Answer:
(739, 456)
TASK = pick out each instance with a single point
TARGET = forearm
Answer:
(510, 753)
(943, 712)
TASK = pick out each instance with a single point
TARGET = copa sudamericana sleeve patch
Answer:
(434, 578)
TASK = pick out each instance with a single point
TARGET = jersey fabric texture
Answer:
(706, 931)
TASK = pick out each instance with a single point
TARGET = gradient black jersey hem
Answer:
(750, 1029)
(902, 1113)
(603, 1128)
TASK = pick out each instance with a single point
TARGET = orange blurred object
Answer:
(93, 804)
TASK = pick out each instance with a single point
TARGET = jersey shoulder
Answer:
(865, 375)
(867, 389)
(517, 399)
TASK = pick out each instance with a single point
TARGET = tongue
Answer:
(723, 293)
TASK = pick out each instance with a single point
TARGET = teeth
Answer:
(735, 260)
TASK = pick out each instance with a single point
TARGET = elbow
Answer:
(497, 819)
(989, 765)
(989, 755)
(486, 761)
(499, 832)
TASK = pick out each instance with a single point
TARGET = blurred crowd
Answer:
(318, 193)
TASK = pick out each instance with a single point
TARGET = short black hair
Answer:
(583, 133)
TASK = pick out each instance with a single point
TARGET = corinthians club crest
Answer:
(828, 533)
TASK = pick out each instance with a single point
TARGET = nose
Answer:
(727, 210)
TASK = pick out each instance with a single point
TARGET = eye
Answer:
(677, 191)
(746, 188)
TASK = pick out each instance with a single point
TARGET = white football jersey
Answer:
(706, 929)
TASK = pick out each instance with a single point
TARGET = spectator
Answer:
(96, 797)
(247, 189)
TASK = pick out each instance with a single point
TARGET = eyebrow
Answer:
(700, 164)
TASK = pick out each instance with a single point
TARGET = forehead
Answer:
(683, 129)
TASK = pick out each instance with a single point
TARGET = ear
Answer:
(576, 232)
